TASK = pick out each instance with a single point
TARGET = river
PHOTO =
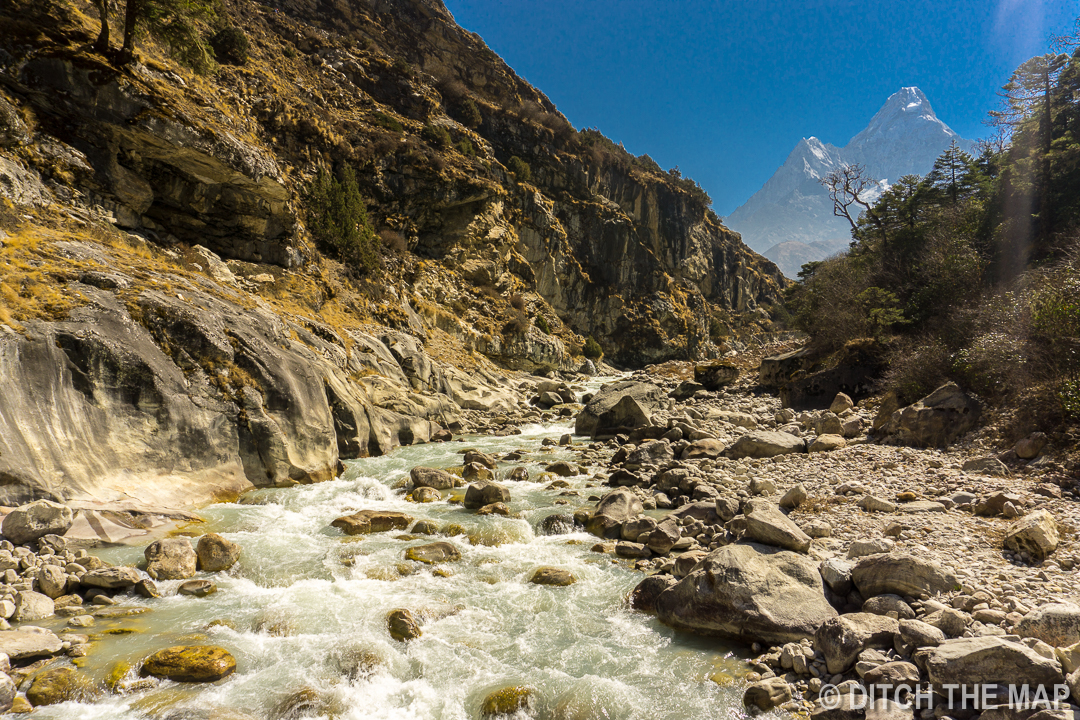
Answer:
(305, 602)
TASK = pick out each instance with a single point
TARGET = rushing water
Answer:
(304, 602)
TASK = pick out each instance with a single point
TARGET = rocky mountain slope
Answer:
(170, 332)
(790, 220)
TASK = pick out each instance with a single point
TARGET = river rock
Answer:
(765, 444)
(841, 639)
(643, 596)
(893, 674)
(614, 509)
(827, 443)
(991, 661)
(28, 643)
(403, 625)
(765, 524)
(197, 588)
(715, 375)
(215, 553)
(431, 477)
(473, 472)
(171, 559)
(433, 553)
(484, 493)
(8, 691)
(32, 606)
(112, 578)
(699, 449)
(885, 604)
(425, 495)
(596, 421)
(507, 701)
(841, 404)
(29, 522)
(937, 420)
(372, 521)
(901, 574)
(794, 497)
(563, 469)
(552, 576)
(479, 458)
(1056, 624)
(989, 466)
(190, 663)
(836, 573)
(995, 504)
(57, 685)
(657, 452)
(52, 581)
(1035, 534)
(749, 592)
(767, 694)
(557, 524)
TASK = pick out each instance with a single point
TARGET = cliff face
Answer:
(229, 351)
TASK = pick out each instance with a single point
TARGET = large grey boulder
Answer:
(841, 639)
(749, 592)
(656, 452)
(715, 375)
(663, 537)
(901, 574)
(646, 399)
(171, 559)
(614, 509)
(35, 520)
(29, 642)
(764, 523)
(112, 578)
(765, 444)
(991, 661)
(937, 420)
(1057, 624)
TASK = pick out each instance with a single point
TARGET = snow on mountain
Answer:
(904, 137)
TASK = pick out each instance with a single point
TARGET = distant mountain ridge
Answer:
(790, 219)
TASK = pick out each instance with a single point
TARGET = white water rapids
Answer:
(579, 648)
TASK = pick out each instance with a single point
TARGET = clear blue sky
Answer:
(726, 88)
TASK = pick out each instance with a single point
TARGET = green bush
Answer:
(468, 113)
(387, 121)
(520, 168)
(542, 324)
(338, 219)
(592, 349)
(465, 147)
(436, 136)
(230, 46)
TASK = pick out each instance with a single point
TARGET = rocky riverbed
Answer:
(650, 546)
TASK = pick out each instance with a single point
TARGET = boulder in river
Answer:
(30, 606)
(403, 626)
(485, 492)
(749, 592)
(612, 511)
(841, 639)
(433, 553)
(643, 596)
(767, 694)
(190, 663)
(197, 588)
(215, 553)
(29, 522)
(552, 576)
(171, 559)
(431, 477)
(507, 701)
(63, 684)
(29, 643)
(372, 521)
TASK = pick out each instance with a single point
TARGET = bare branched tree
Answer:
(849, 188)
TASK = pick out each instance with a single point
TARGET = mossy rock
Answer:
(304, 703)
(119, 670)
(57, 685)
(190, 663)
(507, 701)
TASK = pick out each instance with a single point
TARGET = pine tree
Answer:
(951, 173)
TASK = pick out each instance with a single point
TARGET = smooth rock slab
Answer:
(29, 642)
(991, 660)
(190, 663)
(112, 578)
(372, 521)
(901, 574)
(765, 444)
